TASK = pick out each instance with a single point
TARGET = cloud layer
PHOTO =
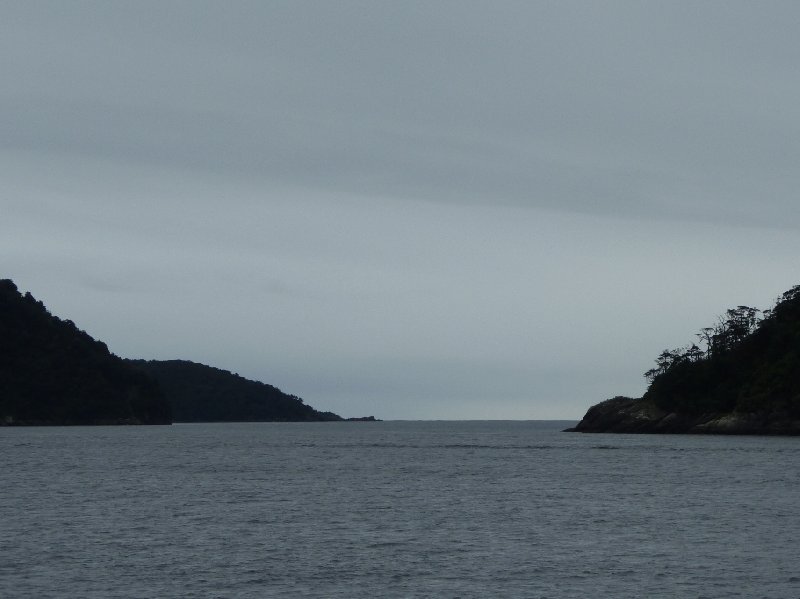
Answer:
(415, 210)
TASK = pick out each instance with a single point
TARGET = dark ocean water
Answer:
(395, 509)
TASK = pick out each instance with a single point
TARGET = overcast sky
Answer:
(416, 210)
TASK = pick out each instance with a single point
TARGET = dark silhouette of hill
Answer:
(742, 378)
(51, 372)
(199, 393)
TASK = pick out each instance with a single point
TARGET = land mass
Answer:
(52, 373)
(744, 379)
(200, 393)
(629, 415)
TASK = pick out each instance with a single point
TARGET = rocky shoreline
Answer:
(629, 415)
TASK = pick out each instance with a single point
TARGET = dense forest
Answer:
(199, 393)
(749, 361)
(741, 376)
(51, 372)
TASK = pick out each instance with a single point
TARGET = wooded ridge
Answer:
(53, 373)
(741, 376)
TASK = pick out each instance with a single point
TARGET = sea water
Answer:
(395, 509)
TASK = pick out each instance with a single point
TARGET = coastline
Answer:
(640, 416)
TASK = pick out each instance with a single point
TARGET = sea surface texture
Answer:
(395, 509)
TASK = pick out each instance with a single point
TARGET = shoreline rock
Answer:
(630, 415)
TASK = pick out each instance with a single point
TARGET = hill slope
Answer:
(53, 373)
(199, 393)
(745, 381)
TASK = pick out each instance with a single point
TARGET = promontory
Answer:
(53, 373)
(741, 377)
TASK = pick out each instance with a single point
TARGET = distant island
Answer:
(52, 373)
(741, 377)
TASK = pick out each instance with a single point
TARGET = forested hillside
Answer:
(744, 363)
(51, 372)
(199, 393)
(742, 376)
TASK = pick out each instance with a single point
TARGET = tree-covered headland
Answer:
(51, 372)
(749, 361)
(741, 375)
(200, 393)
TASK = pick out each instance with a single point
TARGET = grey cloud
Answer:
(631, 109)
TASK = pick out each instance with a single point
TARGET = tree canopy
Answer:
(748, 361)
(51, 372)
(200, 393)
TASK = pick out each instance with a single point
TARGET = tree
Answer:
(665, 360)
(694, 353)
